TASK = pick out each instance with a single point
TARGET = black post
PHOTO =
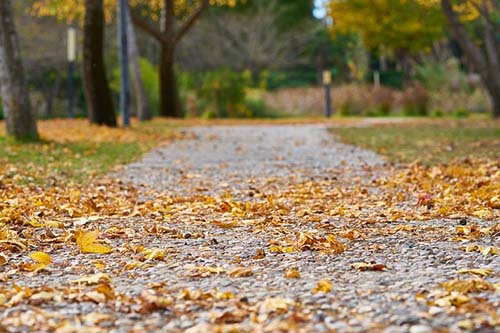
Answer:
(124, 68)
(328, 109)
(71, 89)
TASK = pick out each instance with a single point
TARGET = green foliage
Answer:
(222, 94)
(437, 113)
(150, 79)
(258, 109)
(392, 78)
(441, 75)
(461, 113)
(296, 78)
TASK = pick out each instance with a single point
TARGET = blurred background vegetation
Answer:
(265, 58)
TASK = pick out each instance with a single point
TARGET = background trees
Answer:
(15, 99)
(481, 43)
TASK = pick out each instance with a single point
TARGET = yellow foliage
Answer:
(74, 10)
(86, 241)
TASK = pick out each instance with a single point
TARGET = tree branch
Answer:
(188, 24)
(472, 51)
(144, 25)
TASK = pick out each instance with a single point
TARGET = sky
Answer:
(319, 10)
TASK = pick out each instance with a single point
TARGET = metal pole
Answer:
(71, 71)
(328, 111)
(71, 89)
(124, 68)
(327, 81)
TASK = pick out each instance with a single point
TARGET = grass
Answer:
(428, 141)
(74, 152)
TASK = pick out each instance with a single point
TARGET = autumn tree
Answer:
(480, 45)
(15, 97)
(169, 35)
(402, 27)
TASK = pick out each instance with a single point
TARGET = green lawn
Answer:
(428, 141)
(73, 152)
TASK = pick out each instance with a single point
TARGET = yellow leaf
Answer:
(292, 273)
(43, 260)
(476, 271)
(276, 305)
(86, 241)
(154, 254)
(240, 272)
(93, 279)
(226, 224)
(323, 286)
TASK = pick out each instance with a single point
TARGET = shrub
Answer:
(150, 79)
(461, 113)
(437, 113)
(151, 82)
(415, 101)
(222, 92)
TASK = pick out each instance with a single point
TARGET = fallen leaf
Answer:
(240, 272)
(292, 273)
(43, 261)
(323, 286)
(363, 266)
(476, 271)
(93, 279)
(86, 241)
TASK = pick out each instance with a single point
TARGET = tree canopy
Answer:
(392, 24)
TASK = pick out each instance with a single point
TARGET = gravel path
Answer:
(233, 158)
(244, 205)
(245, 160)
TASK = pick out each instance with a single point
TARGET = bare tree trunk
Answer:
(169, 96)
(143, 109)
(487, 66)
(95, 82)
(20, 118)
(168, 37)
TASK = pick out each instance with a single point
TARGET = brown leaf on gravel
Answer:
(467, 286)
(240, 272)
(292, 273)
(363, 266)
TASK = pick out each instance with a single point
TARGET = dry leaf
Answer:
(93, 279)
(240, 272)
(86, 241)
(476, 271)
(323, 286)
(364, 266)
(292, 273)
(43, 261)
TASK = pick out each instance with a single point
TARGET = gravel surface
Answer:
(240, 159)
(233, 158)
(291, 178)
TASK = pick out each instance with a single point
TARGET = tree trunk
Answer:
(95, 83)
(169, 98)
(487, 66)
(143, 110)
(20, 118)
